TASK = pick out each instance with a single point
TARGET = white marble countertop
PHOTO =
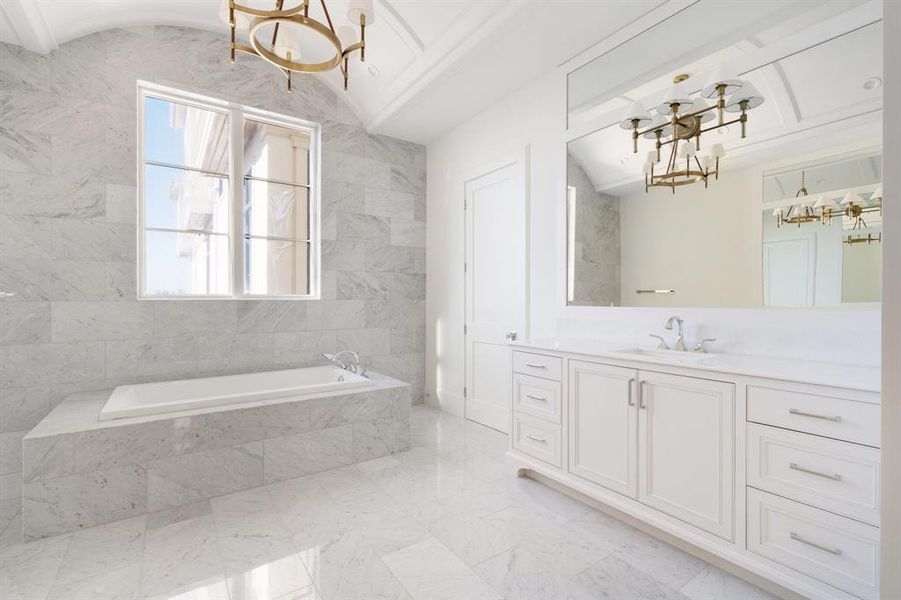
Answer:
(856, 377)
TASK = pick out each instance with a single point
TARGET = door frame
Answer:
(520, 158)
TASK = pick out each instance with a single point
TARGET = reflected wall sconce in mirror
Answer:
(680, 119)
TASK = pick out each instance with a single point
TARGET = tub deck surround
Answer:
(770, 464)
(856, 377)
(80, 471)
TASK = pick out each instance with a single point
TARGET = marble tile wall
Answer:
(80, 472)
(597, 243)
(67, 235)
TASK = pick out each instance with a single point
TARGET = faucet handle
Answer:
(662, 345)
(700, 345)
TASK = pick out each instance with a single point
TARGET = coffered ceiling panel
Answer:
(412, 46)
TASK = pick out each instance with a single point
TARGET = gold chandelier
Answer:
(824, 209)
(680, 119)
(274, 35)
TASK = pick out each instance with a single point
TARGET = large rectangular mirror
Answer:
(771, 197)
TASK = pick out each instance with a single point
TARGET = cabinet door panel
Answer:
(603, 425)
(686, 436)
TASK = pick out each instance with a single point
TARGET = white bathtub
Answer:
(189, 394)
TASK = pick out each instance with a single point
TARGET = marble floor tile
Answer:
(616, 579)
(446, 519)
(564, 550)
(520, 574)
(346, 568)
(122, 583)
(429, 571)
(103, 549)
(665, 563)
(472, 538)
(180, 557)
(714, 584)
(27, 571)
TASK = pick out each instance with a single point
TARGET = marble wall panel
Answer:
(68, 238)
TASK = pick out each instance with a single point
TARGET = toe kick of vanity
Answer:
(776, 475)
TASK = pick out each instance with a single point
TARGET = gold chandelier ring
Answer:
(278, 61)
(268, 14)
(670, 179)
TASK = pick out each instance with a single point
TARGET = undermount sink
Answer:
(677, 356)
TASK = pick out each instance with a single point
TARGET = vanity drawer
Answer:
(537, 438)
(838, 551)
(539, 365)
(836, 476)
(537, 397)
(837, 418)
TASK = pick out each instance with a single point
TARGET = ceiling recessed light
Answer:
(624, 160)
(374, 70)
(872, 83)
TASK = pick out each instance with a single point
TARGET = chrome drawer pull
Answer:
(833, 551)
(801, 413)
(797, 467)
(536, 439)
(534, 366)
(540, 398)
(631, 383)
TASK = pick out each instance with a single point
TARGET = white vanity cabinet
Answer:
(773, 474)
(686, 438)
(603, 425)
(665, 440)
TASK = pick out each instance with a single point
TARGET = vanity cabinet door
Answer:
(603, 425)
(686, 436)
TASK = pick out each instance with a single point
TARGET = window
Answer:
(228, 200)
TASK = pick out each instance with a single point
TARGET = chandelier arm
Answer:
(278, 6)
(245, 48)
(328, 17)
(352, 48)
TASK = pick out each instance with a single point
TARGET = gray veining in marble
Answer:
(422, 524)
(75, 464)
(68, 217)
(596, 242)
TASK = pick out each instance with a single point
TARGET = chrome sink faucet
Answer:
(351, 363)
(679, 344)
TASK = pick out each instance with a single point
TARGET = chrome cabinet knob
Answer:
(512, 336)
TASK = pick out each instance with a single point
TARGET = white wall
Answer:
(891, 298)
(534, 117)
(703, 243)
(529, 123)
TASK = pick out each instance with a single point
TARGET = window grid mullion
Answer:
(237, 232)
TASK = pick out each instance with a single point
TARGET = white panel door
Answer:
(495, 267)
(789, 269)
(603, 425)
(686, 437)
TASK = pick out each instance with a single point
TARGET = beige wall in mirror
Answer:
(740, 176)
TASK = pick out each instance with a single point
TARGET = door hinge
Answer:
(464, 391)
(464, 329)
(465, 267)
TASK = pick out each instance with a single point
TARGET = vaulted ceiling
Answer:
(438, 62)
